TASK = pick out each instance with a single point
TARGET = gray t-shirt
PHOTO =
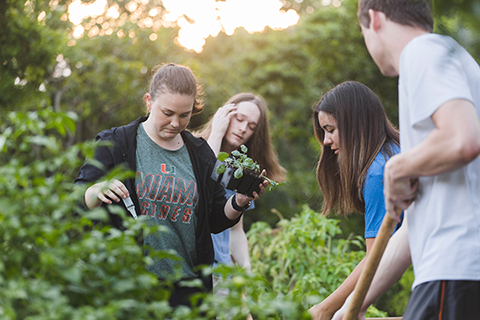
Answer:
(167, 191)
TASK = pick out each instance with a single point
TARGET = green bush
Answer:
(305, 257)
(58, 264)
(54, 264)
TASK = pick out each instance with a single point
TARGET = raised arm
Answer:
(221, 121)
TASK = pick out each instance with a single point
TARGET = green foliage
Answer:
(239, 160)
(52, 267)
(291, 69)
(301, 255)
(58, 264)
(305, 256)
(29, 48)
(250, 293)
(467, 11)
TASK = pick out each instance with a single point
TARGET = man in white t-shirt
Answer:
(437, 174)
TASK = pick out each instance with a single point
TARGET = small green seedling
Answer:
(241, 161)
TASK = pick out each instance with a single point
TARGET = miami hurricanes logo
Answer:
(163, 169)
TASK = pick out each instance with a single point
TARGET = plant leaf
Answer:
(221, 169)
(236, 153)
(222, 156)
(238, 173)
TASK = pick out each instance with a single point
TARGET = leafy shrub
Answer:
(57, 264)
(305, 256)
(54, 264)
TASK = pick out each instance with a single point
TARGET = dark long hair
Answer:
(363, 129)
(259, 145)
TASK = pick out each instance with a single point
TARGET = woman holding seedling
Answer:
(356, 139)
(172, 187)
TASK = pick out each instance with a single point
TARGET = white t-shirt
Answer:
(444, 221)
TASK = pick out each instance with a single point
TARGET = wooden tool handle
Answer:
(371, 264)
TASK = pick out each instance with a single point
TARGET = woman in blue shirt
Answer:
(356, 139)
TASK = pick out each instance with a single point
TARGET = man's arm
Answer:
(239, 246)
(453, 143)
(395, 260)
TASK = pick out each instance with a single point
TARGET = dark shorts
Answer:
(444, 300)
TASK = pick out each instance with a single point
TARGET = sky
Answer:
(197, 19)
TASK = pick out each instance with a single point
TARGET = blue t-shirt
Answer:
(373, 194)
(221, 240)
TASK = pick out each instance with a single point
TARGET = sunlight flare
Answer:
(197, 19)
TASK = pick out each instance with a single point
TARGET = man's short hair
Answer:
(415, 13)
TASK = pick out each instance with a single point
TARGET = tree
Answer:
(31, 38)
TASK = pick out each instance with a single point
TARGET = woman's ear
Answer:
(148, 101)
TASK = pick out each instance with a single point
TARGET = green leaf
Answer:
(248, 161)
(48, 142)
(97, 214)
(222, 156)
(244, 148)
(221, 169)
(3, 140)
(238, 173)
(236, 153)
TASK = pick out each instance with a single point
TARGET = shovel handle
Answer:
(385, 232)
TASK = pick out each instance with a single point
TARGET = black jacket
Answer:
(210, 211)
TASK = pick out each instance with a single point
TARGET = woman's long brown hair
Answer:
(364, 130)
(259, 145)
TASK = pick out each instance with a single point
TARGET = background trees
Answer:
(98, 81)
(103, 78)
